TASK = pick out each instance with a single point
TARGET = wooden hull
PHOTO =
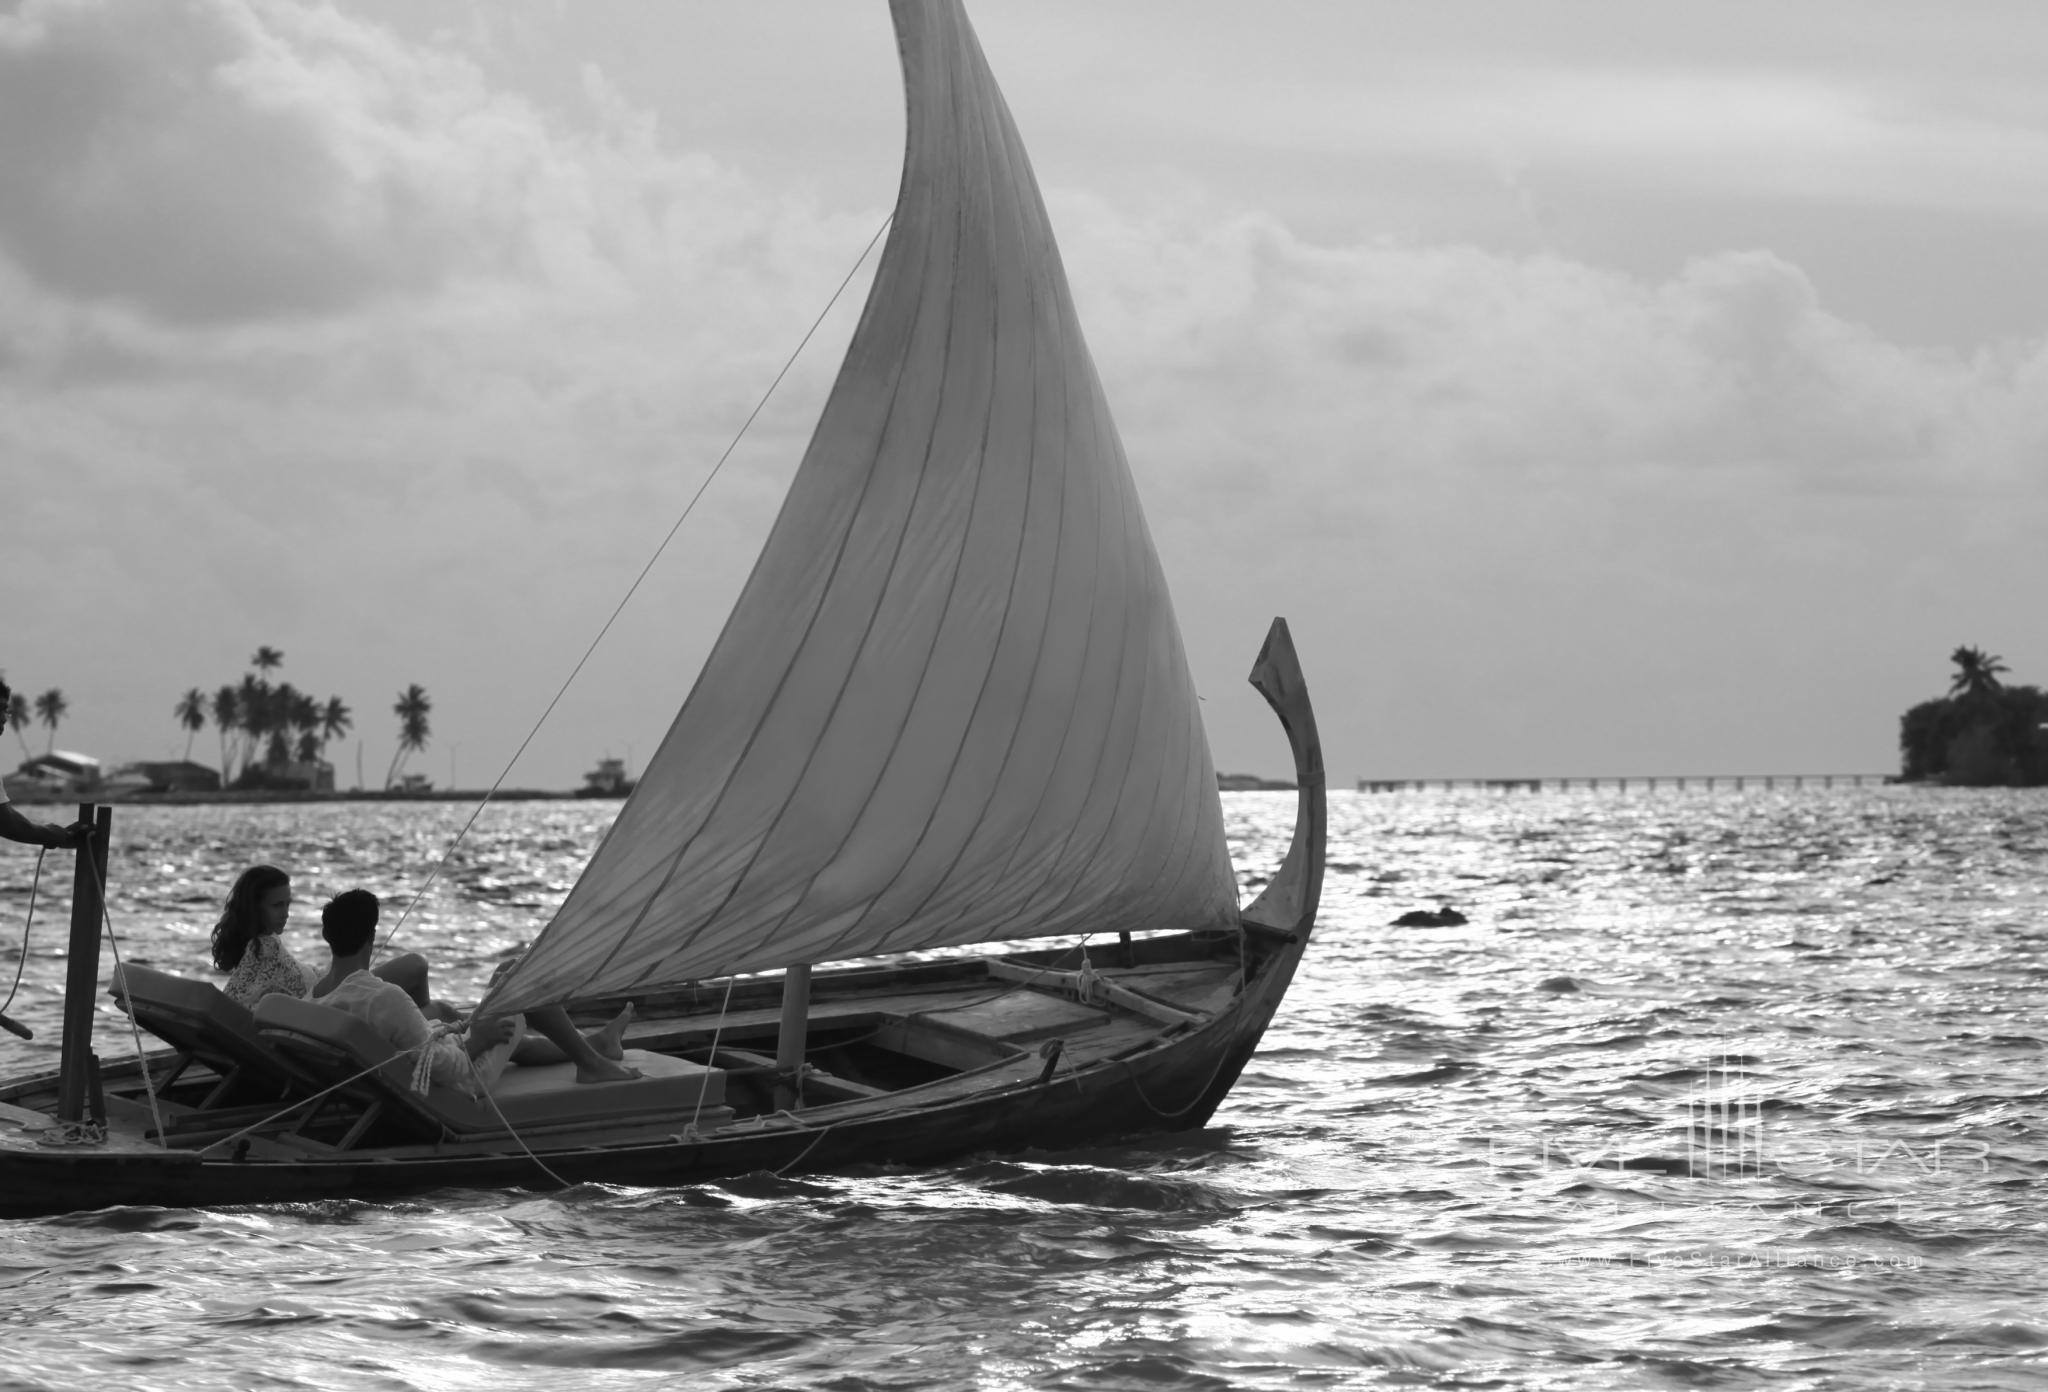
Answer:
(1173, 1084)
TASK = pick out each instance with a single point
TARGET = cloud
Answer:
(1356, 372)
(1898, 133)
(310, 336)
(1535, 514)
(183, 160)
(271, 240)
(218, 163)
(313, 337)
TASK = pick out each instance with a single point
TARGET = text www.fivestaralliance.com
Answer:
(1764, 1258)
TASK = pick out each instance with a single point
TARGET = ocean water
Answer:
(1714, 1090)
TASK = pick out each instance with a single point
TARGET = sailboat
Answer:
(950, 713)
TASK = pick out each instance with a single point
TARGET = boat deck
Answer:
(1011, 1027)
(997, 1029)
(1007, 1011)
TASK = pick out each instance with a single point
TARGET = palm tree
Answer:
(50, 709)
(1977, 673)
(17, 720)
(227, 716)
(306, 720)
(191, 713)
(254, 696)
(411, 711)
(282, 711)
(263, 717)
(335, 722)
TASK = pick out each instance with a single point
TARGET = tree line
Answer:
(50, 708)
(263, 726)
(1983, 733)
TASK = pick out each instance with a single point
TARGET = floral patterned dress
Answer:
(267, 968)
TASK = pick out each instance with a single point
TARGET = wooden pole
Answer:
(78, 1074)
(789, 1042)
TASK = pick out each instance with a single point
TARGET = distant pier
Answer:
(1680, 781)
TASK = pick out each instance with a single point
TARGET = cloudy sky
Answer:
(1598, 387)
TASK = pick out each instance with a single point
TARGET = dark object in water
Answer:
(1445, 917)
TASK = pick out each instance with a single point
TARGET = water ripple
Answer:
(1715, 1090)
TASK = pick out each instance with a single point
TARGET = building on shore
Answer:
(58, 774)
(62, 774)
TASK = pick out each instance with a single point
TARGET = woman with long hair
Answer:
(246, 941)
(248, 946)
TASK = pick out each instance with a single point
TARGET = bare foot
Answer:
(604, 1070)
(610, 1041)
(441, 1010)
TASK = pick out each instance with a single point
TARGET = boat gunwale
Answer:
(309, 1158)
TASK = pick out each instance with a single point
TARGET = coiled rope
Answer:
(68, 1133)
(1193, 1102)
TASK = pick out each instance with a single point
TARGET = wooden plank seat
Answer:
(202, 1024)
(335, 1046)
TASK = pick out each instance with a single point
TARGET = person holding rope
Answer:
(16, 827)
(349, 924)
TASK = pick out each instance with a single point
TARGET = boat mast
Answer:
(79, 1077)
(789, 1040)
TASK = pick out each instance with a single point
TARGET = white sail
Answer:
(951, 705)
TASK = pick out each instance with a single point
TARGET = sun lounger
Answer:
(336, 1046)
(203, 1025)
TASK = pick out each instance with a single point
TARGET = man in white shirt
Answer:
(349, 924)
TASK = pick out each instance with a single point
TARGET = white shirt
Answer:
(388, 1010)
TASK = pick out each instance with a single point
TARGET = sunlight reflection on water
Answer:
(1711, 1090)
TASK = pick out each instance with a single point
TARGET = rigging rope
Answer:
(425, 1053)
(291, 1107)
(513, 1131)
(713, 1058)
(1201, 1092)
(35, 883)
(805, 1154)
(99, 874)
(639, 579)
(90, 1133)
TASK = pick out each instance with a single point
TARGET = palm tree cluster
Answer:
(1983, 733)
(263, 725)
(50, 708)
